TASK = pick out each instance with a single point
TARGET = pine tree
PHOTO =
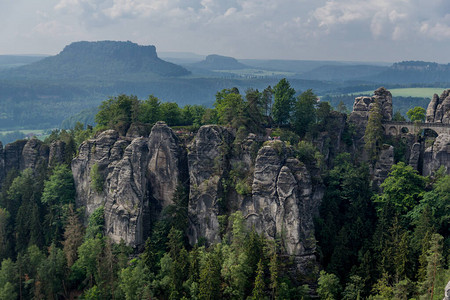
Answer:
(73, 237)
(373, 136)
(283, 102)
(258, 290)
(434, 265)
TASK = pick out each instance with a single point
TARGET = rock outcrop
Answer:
(208, 164)
(284, 202)
(438, 110)
(363, 105)
(383, 165)
(447, 292)
(437, 155)
(23, 154)
(141, 176)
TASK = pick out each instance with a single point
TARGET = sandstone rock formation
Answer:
(363, 105)
(383, 165)
(437, 155)
(23, 154)
(141, 175)
(208, 162)
(414, 157)
(284, 201)
(438, 110)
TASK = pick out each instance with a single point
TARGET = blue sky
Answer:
(352, 30)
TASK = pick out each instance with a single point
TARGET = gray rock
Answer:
(284, 200)
(57, 153)
(34, 153)
(437, 155)
(383, 165)
(415, 155)
(164, 165)
(141, 176)
(447, 292)
(126, 195)
(438, 110)
(362, 107)
(208, 162)
(13, 155)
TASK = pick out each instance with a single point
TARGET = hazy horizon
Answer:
(341, 30)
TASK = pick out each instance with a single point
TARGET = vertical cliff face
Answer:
(438, 110)
(284, 201)
(23, 154)
(140, 177)
(208, 164)
(437, 155)
(361, 111)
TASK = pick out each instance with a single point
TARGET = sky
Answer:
(349, 30)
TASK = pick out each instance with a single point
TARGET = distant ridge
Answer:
(218, 62)
(407, 72)
(106, 59)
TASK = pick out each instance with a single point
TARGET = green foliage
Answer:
(416, 114)
(285, 135)
(59, 192)
(229, 105)
(307, 153)
(97, 179)
(52, 272)
(305, 112)
(283, 102)
(328, 286)
(373, 136)
(398, 117)
(134, 280)
(402, 190)
(96, 223)
(258, 290)
(118, 113)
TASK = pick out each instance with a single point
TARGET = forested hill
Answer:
(218, 62)
(100, 60)
(414, 72)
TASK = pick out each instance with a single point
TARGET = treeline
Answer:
(252, 112)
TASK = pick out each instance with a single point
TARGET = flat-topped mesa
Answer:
(438, 110)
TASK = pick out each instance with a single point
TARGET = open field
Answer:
(410, 92)
(256, 73)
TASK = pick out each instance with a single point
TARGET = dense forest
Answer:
(388, 243)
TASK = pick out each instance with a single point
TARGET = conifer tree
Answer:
(434, 266)
(373, 136)
(258, 290)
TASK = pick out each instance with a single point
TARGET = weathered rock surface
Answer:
(208, 162)
(141, 176)
(384, 98)
(437, 155)
(362, 107)
(438, 110)
(165, 163)
(414, 157)
(383, 165)
(57, 153)
(447, 292)
(284, 201)
(23, 154)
